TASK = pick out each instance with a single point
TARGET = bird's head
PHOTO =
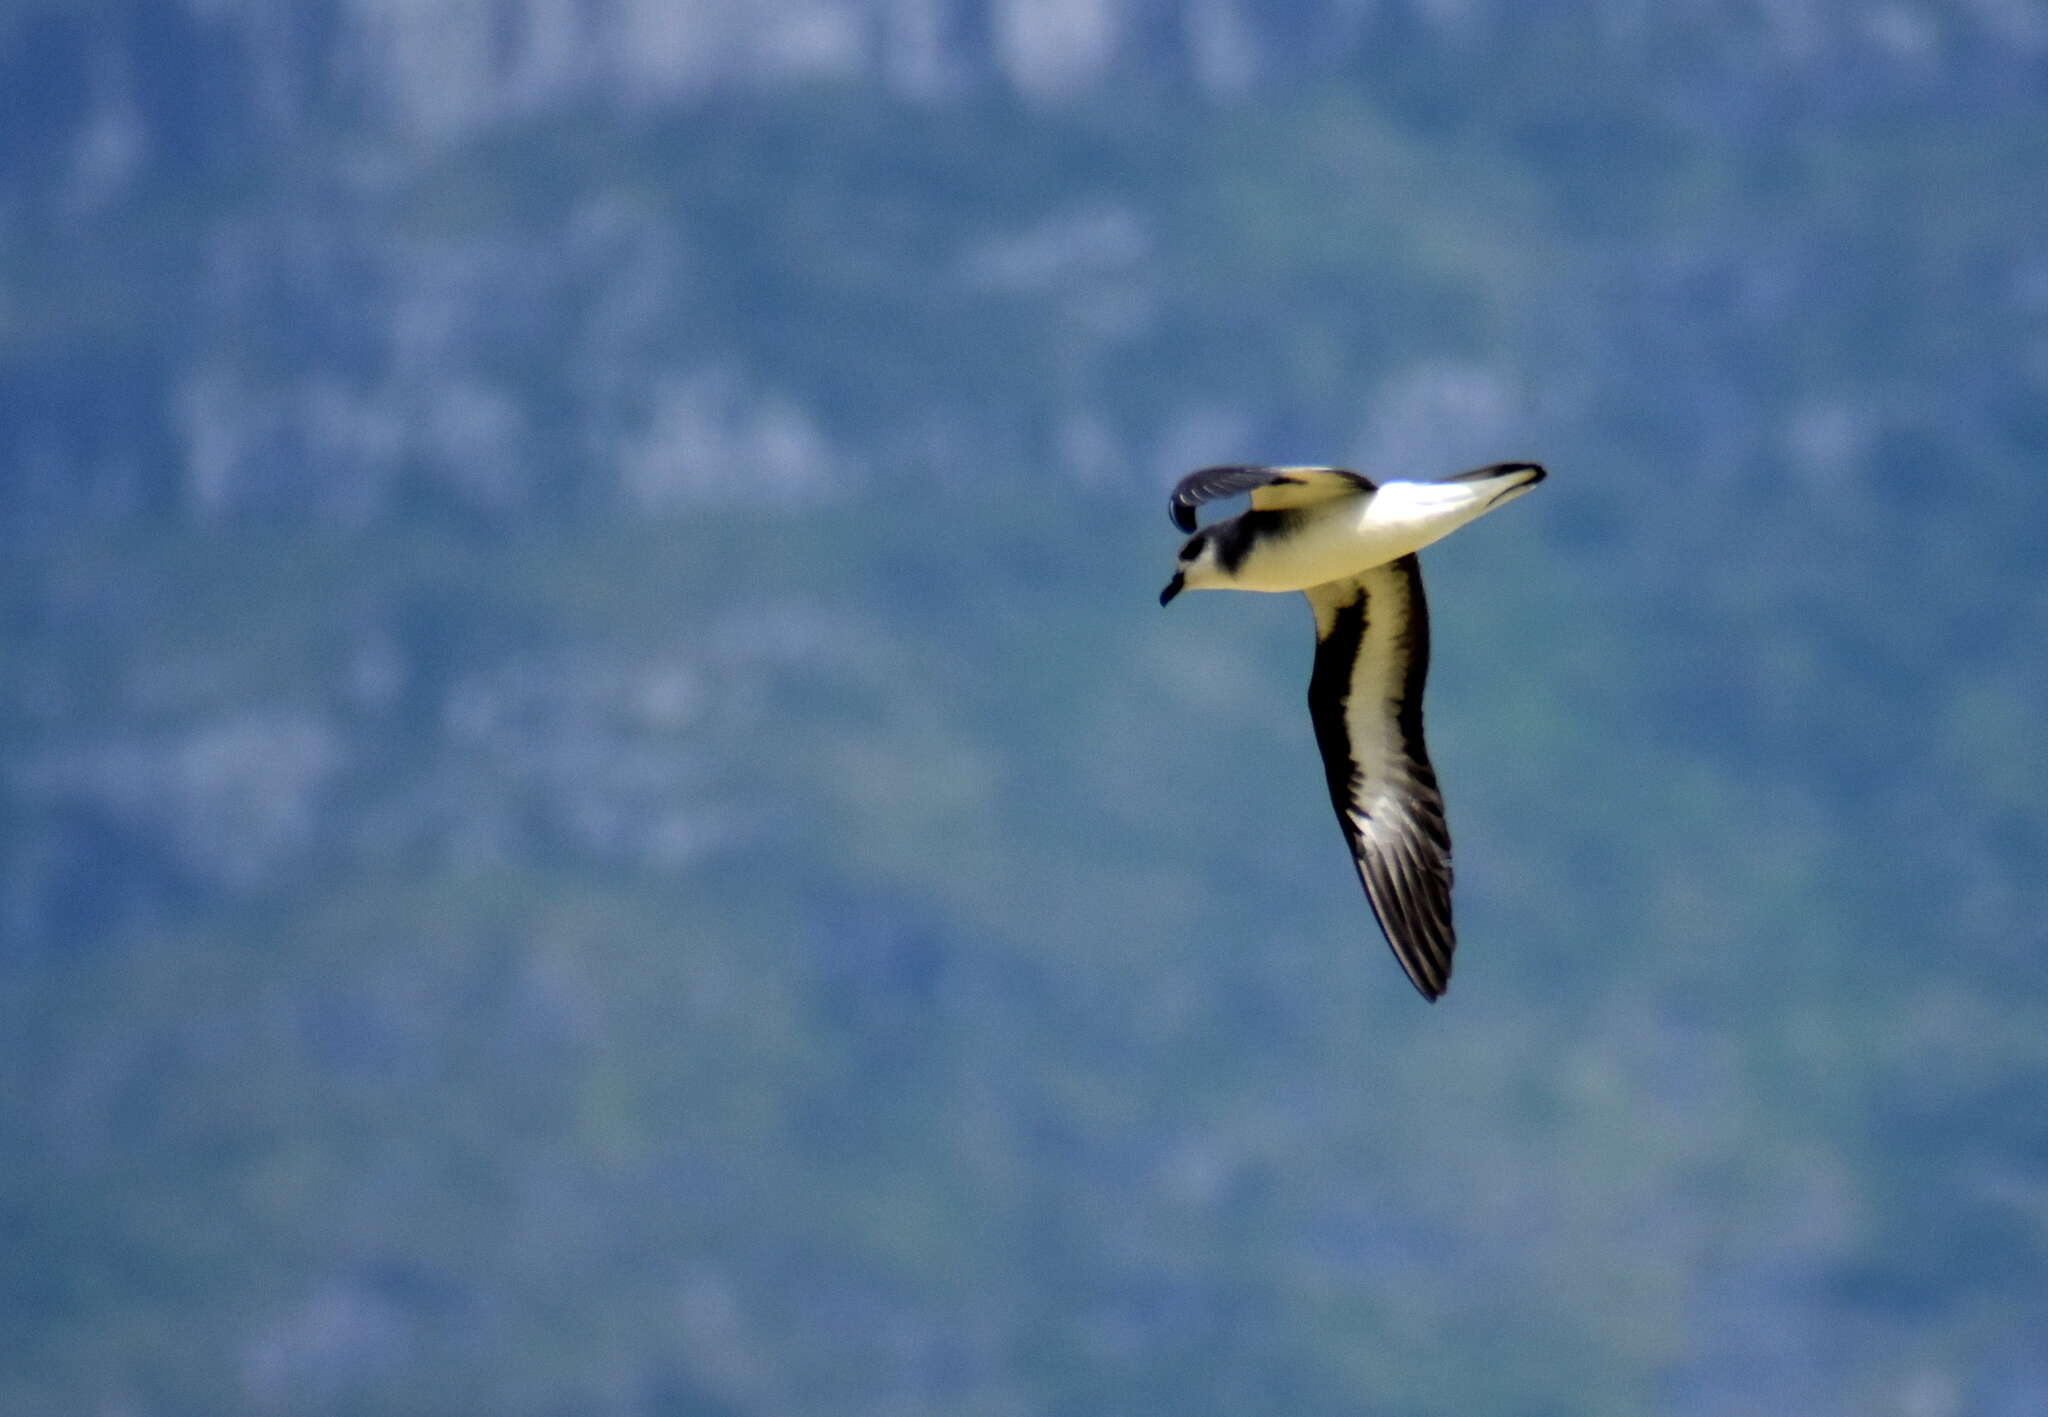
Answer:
(1196, 568)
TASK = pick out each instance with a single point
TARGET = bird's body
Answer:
(1350, 547)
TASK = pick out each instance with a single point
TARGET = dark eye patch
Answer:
(1235, 537)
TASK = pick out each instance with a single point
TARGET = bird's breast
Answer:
(1314, 550)
(1313, 546)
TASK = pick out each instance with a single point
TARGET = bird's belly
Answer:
(1327, 551)
(1400, 518)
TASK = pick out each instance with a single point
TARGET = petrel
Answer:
(1349, 545)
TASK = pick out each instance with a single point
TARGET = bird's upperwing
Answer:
(1270, 487)
(1365, 698)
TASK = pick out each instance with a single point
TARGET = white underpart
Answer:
(1347, 536)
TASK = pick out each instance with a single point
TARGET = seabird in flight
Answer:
(1349, 545)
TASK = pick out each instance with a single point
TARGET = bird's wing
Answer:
(1365, 698)
(1270, 487)
(1499, 469)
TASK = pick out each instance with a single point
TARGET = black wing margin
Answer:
(1297, 486)
(1365, 699)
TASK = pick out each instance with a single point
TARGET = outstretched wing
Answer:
(1270, 487)
(1365, 698)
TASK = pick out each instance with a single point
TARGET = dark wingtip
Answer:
(1183, 515)
(1429, 995)
(1502, 469)
(1173, 588)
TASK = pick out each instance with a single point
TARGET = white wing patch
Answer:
(1306, 486)
(1365, 698)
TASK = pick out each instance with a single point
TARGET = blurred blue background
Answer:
(599, 816)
